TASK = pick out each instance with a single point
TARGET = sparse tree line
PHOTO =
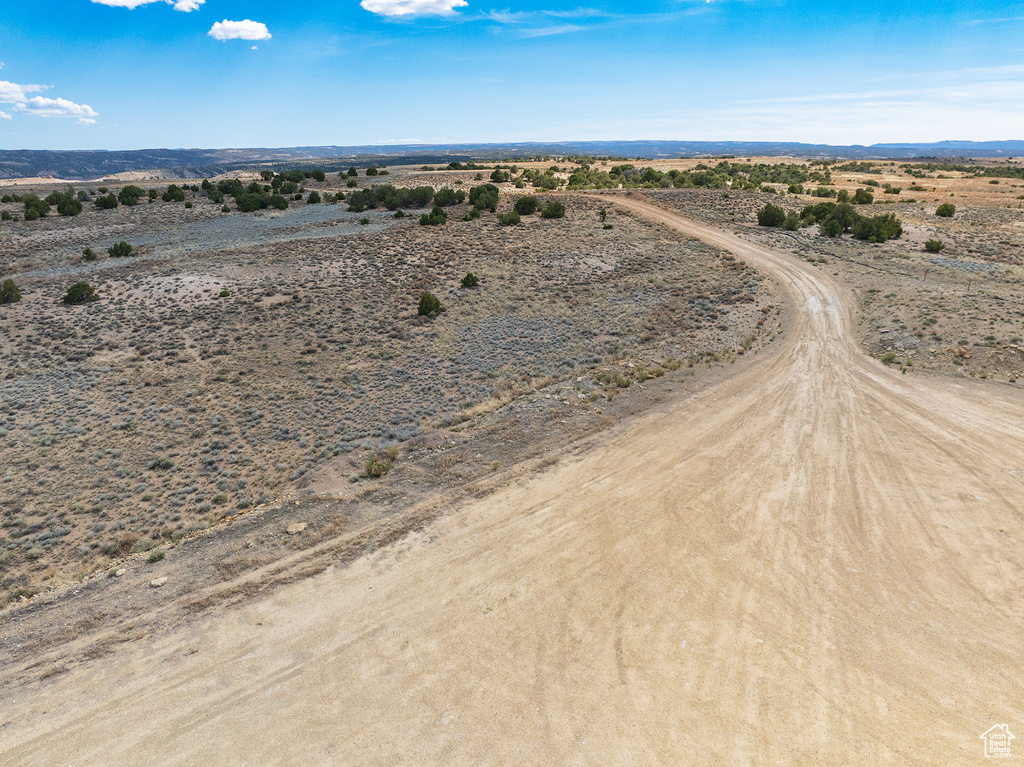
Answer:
(724, 175)
(837, 218)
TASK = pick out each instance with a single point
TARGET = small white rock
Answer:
(119, 572)
(296, 528)
(158, 582)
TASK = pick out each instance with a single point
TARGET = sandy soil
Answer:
(816, 562)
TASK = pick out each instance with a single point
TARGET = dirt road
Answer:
(818, 562)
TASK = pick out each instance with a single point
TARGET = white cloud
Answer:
(44, 107)
(412, 7)
(4, 116)
(12, 93)
(179, 5)
(239, 30)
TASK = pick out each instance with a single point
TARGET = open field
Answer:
(814, 561)
(136, 421)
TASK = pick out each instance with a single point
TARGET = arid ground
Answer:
(798, 555)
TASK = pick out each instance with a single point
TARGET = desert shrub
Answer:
(314, 198)
(88, 255)
(9, 293)
(188, 205)
(892, 190)
(842, 196)
(371, 171)
(224, 294)
(436, 217)
(553, 209)
(509, 219)
(80, 293)
(279, 202)
(119, 250)
(173, 193)
(823, 191)
(445, 197)
(352, 183)
(153, 194)
(225, 209)
(106, 202)
(130, 195)
(526, 205)
(67, 203)
(831, 228)
(429, 304)
(933, 246)
(796, 188)
(470, 280)
(792, 223)
(771, 215)
(546, 181)
(946, 210)
(485, 196)
(878, 228)
(862, 197)
(156, 555)
(318, 175)
(6, 216)
(248, 202)
(500, 175)
(34, 205)
(377, 467)
(364, 221)
(353, 172)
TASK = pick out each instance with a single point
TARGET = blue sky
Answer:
(88, 74)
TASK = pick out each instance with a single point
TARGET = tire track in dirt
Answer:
(815, 562)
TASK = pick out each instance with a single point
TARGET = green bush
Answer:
(224, 293)
(248, 202)
(946, 210)
(6, 216)
(553, 209)
(314, 198)
(9, 293)
(353, 172)
(156, 555)
(878, 228)
(842, 196)
(88, 255)
(933, 246)
(371, 171)
(173, 193)
(429, 304)
(130, 195)
(279, 202)
(470, 280)
(119, 250)
(485, 196)
(862, 197)
(831, 228)
(771, 215)
(509, 219)
(792, 223)
(80, 293)
(445, 197)
(318, 175)
(34, 205)
(377, 467)
(67, 203)
(436, 217)
(526, 205)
